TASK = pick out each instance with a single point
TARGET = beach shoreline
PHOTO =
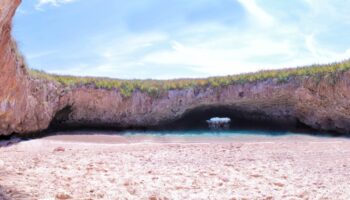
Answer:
(172, 167)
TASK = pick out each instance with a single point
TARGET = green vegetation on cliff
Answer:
(156, 87)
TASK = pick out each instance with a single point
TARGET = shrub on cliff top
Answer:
(156, 87)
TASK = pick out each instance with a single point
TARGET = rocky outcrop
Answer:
(30, 104)
(12, 88)
(324, 103)
(321, 103)
(107, 107)
(26, 105)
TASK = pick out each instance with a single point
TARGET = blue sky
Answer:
(180, 38)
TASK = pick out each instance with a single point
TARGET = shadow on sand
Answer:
(8, 141)
(11, 194)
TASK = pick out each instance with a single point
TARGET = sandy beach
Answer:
(148, 167)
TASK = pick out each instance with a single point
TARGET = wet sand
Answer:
(173, 167)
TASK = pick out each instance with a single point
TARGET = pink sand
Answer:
(119, 167)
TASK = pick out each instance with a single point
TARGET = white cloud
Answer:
(226, 52)
(323, 55)
(41, 3)
(38, 55)
(212, 59)
(257, 12)
(208, 49)
(129, 44)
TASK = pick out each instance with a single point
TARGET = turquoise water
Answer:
(196, 134)
(219, 133)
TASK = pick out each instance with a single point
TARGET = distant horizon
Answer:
(178, 39)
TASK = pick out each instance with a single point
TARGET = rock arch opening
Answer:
(60, 118)
(242, 118)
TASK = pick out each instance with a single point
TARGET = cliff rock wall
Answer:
(12, 76)
(321, 103)
(26, 105)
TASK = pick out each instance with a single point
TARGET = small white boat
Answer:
(219, 122)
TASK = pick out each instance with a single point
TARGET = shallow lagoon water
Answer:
(189, 136)
(219, 133)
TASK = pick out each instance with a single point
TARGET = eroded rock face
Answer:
(321, 103)
(29, 105)
(12, 76)
(26, 105)
(324, 104)
(107, 107)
